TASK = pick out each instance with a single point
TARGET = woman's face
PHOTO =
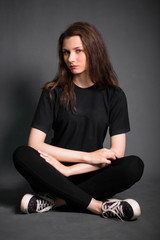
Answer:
(74, 55)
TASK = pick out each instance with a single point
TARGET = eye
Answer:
(65, 52)
(79, 50)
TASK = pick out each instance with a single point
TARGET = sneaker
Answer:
(36, 204)
(127, 209)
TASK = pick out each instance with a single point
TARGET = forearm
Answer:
(61, 154)
(81, 168)
(118, 144)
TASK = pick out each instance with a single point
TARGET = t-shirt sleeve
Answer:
(43, 118)
(118, 113)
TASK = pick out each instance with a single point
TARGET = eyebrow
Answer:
(73, 48)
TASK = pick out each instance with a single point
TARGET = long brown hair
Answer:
(100, 69)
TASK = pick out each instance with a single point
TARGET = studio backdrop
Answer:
(29, 34)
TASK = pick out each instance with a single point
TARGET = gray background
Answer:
(29, 32)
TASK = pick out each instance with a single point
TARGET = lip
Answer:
(73, 66)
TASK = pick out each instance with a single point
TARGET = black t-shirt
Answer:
(97, 110)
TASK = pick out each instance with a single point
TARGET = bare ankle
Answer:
(59, 202)
(95, 206)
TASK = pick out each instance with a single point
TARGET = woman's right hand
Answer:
(101, 156)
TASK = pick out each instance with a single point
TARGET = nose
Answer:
(71, 57)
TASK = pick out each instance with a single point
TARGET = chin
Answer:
(76, 72)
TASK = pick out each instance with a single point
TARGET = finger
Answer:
(47, 160)
(104, 165)
(40, 151)
(108, 162)
(112, 156)
(43, 156)
(115, 154)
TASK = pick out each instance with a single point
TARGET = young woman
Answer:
(80, 104)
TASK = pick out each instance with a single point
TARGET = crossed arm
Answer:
(86, 161)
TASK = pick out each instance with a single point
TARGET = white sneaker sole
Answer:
(24, 202)
(135, 206)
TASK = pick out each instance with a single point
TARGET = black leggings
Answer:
(77, 190)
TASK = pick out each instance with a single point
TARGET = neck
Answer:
(82, 80)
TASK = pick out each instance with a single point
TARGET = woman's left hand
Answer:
(56, 164)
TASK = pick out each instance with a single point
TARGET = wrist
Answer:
(69, 171)
(86, 157)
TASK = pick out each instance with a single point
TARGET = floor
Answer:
(65, 224)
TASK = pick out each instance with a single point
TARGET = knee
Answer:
(19, 154)
(134, 168)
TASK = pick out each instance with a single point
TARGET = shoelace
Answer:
(114, 210)
(43, 205)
